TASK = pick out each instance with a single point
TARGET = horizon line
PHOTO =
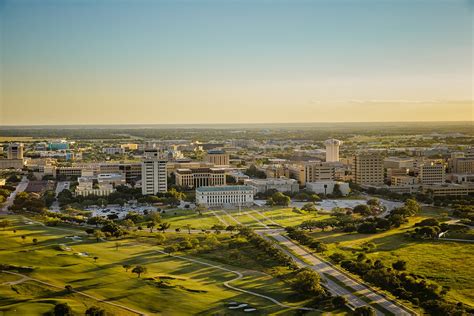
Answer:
(229, 123)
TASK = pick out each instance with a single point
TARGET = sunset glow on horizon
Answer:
(180, 62)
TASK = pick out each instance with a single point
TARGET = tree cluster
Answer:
(403, 285)
(305, 239)
(268, 247)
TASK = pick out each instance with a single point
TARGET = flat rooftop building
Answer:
(225, 196)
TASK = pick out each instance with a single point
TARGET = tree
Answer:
(307, 282)
(336, 191)
(95, 311)
(364, 311)
(127, 267)
(117, 245)
(200, 209)
(170, 249)
(339, 301)
(164, 226)
(151, 225)
(98, 234)
(62, 309)
(128, 223)
(373, 202)
(281, 199)
(68, 288)
(155, 217)
(139, 270)
(23, 237)
(4, 223)
(400, 265)
(188, 227)
(367, 228)
(362, 209)
(412, 206)
(309, 207)
(95, 259)
(35, 241)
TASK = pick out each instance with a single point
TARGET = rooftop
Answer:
(225, 188)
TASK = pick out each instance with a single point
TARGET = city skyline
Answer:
(211, 62)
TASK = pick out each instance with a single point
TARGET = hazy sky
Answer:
(177, 61)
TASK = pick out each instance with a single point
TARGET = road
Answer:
(61, 186)
(351, 286)
(19, 188)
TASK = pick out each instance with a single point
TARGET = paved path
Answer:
(19, 188)
(232, 217)
(27, 278)
(326, 269)
(219, 218)
(239, 276)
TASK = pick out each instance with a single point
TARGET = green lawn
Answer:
(181, 218)
(446, 263)
(171, 286)
(287, 217)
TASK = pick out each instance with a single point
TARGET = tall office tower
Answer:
(332, 149)
(154, 177)
(15, 151)
(367, 168)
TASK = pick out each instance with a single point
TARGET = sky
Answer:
(234, 61)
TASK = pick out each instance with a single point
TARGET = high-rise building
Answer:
(332, 149)
(431, 173)
(367, 168)
(154, 177)
(217, 157)
(15, 151)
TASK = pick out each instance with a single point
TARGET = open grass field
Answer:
(172, 286)
(253, 217)
(447, 263)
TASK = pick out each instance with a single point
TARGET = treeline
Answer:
(122, 195)
(406, 286)
(268, 247)
(431, 228)
(305, 239)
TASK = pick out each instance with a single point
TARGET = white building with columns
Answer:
(225, 196)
